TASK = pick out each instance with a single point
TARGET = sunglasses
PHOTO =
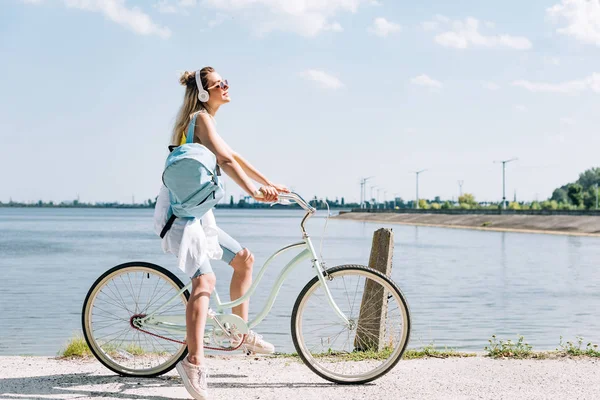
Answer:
(223, 84)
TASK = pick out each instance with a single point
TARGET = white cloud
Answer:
(115, 10)
(305, 17)
(165, 7)
(466, 34)
(322, 78)
(32, 1)
(382, 27)
(175, 7)
(582, 18)
(424, 80)
(435, 23)
(334, 27)
(592, 83)
(552, 60)
(491, 86)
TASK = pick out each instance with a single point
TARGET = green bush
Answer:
(571, 349)
(76, 347)
(513, 205)
(447, 205)
(500, 348)
(549, 205)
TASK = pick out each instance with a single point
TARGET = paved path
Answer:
(268, 378)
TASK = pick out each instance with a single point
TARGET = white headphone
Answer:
(202, 93)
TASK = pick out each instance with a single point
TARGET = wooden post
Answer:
(370, 331)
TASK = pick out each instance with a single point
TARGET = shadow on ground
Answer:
(60, 386)
(71, 384)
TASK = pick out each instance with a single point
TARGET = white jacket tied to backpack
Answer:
(191, 240)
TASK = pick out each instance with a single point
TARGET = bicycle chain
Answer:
(183, 342)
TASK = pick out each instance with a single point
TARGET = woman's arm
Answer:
(205, 131)
(249, 169)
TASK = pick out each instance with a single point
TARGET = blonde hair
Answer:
(191, 104)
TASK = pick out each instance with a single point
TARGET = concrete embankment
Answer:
(276, 378)
(552, 224)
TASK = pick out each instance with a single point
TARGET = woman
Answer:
(192, 368)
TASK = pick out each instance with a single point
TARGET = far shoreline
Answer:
(545, 224)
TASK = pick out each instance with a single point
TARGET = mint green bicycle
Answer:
(350, 324)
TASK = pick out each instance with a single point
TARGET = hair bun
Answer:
(185, 78)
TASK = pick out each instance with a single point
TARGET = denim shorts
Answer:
(230, 248)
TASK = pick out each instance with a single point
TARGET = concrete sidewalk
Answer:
(239, 377)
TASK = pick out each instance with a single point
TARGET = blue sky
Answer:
(324, 93)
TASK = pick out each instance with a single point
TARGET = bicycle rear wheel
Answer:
(120, 296)
(375, 338)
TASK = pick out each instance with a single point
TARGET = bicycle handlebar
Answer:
(286, 198)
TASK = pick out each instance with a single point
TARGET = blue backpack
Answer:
(192, 176)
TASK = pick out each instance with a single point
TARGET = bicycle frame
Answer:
(177, 323)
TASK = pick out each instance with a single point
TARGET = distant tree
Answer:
(446, 205)
(536, 206)
(436, 206)
(575, 193)
(437, 199)
(231, 203)
(467, 198)
(343, 203)
(423, 204)
(560, 195)
(589, 178)
(589, 198)
(513, 205)
(549, 205)
(566, 206)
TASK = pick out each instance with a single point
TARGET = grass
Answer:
(575, 350)
(409, 354)
(76, 347)
(521, 350)
(431, 351)
(497, 348)
(487, 223)
(508, 349)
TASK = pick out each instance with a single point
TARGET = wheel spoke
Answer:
(117, 298)
(374, 340)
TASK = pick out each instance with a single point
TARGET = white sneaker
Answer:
(194, 378)
(255, 343)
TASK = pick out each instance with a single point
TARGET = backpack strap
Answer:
(189, 136)
(168, 225)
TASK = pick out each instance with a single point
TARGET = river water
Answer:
(462, 285)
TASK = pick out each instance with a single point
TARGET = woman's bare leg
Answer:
(195, 316)
(241, 281)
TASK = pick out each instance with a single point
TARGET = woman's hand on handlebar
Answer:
(268, 194)
(280, 188)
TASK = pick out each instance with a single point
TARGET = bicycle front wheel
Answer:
(112, 309)
(370, 344)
